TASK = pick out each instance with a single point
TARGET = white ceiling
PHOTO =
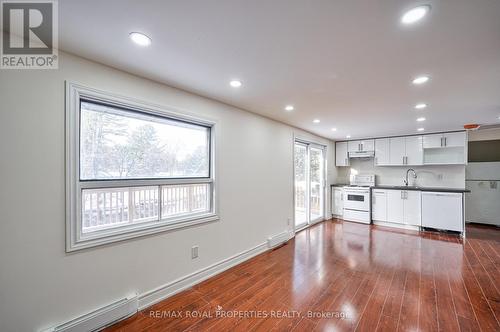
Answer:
(348, 63)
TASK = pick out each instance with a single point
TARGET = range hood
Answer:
(362, 154)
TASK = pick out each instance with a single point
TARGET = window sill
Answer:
(115, 235)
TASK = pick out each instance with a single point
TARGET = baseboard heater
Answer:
(100, 318)
(278, 239)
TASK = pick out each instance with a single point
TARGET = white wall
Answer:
(41, 285)
(452, 176)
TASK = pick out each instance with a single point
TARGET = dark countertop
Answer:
(339, 184)
(433, 189)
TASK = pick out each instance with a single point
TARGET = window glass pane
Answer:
(300, 184)
(123, 144)
(114, 207)
(178, 200)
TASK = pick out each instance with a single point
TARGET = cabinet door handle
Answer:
(345, 162)
(376, 161)
(442, 141)
(446, 141)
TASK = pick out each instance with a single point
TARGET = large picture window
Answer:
(134, 169)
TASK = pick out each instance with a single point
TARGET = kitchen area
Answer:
(412, 182)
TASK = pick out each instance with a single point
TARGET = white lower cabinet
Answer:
(443, 211)
(412, 207)
(379, 205)
(402, 207)
(395, 209)
(337, 201)
(439, 210)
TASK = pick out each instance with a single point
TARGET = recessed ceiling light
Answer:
(140, 38)
(420, 80)
(420, 106)
(316, 121)
(235, 83)
(348, 136)
(334, 129)
(415, 14)
(421, 119)
(420, 129)
(289, 108)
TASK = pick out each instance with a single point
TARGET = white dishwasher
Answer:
(442, 210)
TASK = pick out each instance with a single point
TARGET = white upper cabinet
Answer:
(367, 145)
(361, 146)
(455, 139)
(446, 140)
(414, 151)
(434, 149)
(406, 150)
(445, 149)
(397, 150)
(341, 157)
(353, 146)
(382, 152)
(433, 141)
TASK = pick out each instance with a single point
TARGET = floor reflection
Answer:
(343, 276)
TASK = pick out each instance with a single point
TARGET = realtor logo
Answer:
(29, 36)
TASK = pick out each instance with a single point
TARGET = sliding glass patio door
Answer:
(309, 183)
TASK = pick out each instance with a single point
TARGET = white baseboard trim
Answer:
(101, 317)
(128, 306)
(394, 225)
(158, 294)
(278, 239)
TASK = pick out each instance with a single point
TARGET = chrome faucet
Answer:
(407, 172)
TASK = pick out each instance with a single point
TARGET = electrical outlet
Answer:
(194, 252)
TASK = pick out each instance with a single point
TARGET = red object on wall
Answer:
(472, 126)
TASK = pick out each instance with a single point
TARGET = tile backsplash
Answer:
(452, 176)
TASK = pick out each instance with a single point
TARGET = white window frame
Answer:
(75, 238)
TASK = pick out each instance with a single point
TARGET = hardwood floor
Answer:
(342, 276)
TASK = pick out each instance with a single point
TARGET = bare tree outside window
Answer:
(116, 144)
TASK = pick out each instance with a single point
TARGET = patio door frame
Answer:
(308, 145)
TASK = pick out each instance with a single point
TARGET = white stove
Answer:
(357, 204)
